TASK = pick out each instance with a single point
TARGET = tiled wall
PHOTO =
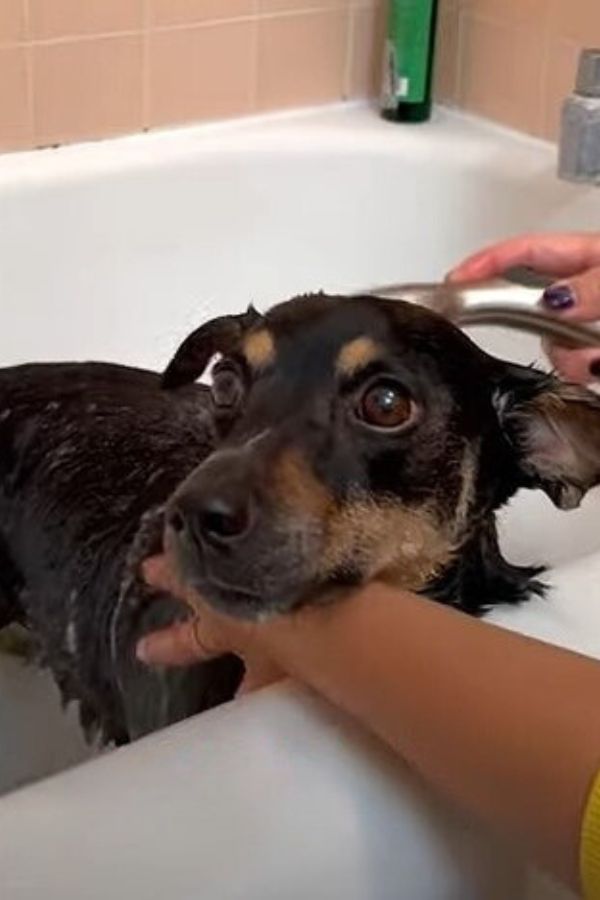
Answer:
(514, 60)
(79, 69)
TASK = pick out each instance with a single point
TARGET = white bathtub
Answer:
(114, 251)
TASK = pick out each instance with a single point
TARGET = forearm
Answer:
(506, 727)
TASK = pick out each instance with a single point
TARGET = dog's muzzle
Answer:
(232, 541)
(214, 510)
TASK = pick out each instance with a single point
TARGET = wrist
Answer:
(339, 622)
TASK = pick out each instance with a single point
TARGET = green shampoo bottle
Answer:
(408, 60)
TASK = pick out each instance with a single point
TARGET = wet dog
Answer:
(341, 440)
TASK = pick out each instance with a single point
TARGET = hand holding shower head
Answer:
(510, 301)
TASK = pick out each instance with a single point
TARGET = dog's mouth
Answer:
(196, 569)
(229, 598)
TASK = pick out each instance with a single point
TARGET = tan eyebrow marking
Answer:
(259, 348)
(356, 355)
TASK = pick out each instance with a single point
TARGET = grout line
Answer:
(254, 64)
(70, 39)
(29, 71)
(26, 17)
(145, 64)
(185, 26)
(349, 59)
(460, 46)
(456, 62)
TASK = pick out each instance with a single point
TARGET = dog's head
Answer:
(361, 438)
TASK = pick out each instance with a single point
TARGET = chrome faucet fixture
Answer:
(579, 145)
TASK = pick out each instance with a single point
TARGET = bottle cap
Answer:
(588, 73)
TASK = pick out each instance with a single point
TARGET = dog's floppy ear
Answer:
(554, 429)
(220, 335)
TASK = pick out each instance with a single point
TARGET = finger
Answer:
(159, 574)
(175, 646)
(576, 298)
(559, 255)
(579, 366)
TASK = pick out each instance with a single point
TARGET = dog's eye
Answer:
(385, 405)
(227, 389)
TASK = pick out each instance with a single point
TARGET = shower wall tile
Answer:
(56, 19)
(86, 88)
(12, 21)
(201, 73)
(16, 130)
(301, 59)
(86, 69)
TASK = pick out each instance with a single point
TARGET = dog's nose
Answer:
(213, 517)
(223, 518)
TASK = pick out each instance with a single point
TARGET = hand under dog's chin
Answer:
(266, 597)
(240, 600)
(246, 603)
(259, 607)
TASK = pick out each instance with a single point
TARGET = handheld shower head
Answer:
(511, 301)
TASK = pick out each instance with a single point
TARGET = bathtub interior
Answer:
(117, 253)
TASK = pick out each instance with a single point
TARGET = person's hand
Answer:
(207, 635)
(574, 260)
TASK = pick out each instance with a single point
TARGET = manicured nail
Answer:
(141, 650)
(595, 368)
(558, 297)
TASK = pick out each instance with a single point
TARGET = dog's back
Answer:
(85, 451)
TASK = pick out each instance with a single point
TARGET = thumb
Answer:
(577, 297)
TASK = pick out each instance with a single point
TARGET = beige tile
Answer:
(301, 59)
(12, 21)
(577, 20)
(445, 84)
(275, 6)
(366, 63)
(15, 118)
(516, 12)
(60, 18)
(87, 89)
(201, 73)
(501, 72)
(181, 12)
(558, 83)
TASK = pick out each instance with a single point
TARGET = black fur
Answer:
(85, 451)
(91, 453)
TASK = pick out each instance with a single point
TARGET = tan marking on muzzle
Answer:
(259, 349)
(383, 540)
(297, 489)
(356, 355)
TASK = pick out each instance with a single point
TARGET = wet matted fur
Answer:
(342, 440)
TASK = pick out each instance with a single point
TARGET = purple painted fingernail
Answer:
(558, 297)
(595, 368)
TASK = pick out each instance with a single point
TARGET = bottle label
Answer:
(406, 57)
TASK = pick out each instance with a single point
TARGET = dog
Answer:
(340, 440)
